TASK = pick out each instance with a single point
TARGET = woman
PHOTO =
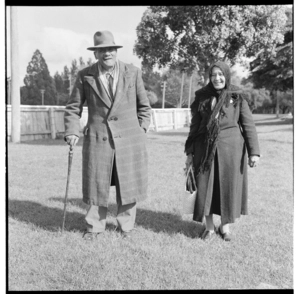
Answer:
(221, 131)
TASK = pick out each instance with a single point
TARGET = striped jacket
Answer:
(114, 130)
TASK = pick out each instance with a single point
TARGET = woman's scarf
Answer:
(218, 100)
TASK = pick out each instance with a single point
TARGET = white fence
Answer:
(39, 122)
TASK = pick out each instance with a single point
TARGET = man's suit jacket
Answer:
(114, 130)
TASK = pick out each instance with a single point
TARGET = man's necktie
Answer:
(110, 85)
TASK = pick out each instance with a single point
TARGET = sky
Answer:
(63, 33)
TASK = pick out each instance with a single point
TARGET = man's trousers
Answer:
(126, 214)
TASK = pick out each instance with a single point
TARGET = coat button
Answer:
(104, 138)
(115, 118)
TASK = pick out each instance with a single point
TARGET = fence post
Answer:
(164, 94)
(190, 91)
(175, 119)
(188, 117)
(154, 120)
(15, 72)
(277, 103)
(52, 123)
(181, 92)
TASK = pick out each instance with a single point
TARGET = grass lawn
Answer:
(165, 252)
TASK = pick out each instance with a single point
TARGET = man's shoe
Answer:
(207, 235)
(89, 236)
(127, 235)
(225, 236)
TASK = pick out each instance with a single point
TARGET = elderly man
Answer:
(114, 138)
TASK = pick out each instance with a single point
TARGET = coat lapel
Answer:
(92, 78)
(123, 83)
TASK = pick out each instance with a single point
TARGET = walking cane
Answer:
(67, 188)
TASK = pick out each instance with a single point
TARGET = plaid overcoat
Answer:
(114, 131)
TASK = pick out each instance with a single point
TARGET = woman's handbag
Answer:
(188, 198)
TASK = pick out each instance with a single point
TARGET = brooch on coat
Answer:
(213, 103)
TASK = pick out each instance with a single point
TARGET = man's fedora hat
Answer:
(103, 39)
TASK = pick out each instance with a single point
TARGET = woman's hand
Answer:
(253, 160)
(189, 160)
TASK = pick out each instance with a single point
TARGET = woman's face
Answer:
(217, 78)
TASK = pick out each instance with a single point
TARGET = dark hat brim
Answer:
(103, 46)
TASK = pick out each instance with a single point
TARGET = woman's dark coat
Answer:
(227, 181)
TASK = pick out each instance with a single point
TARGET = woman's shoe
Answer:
(207, 235)
(225, 236)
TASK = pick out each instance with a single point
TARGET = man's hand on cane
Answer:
(72, 140)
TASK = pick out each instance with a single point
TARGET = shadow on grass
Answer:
(257, 119)
(50, 219)
(60, 142)
(277, 141)
(164, 133)
(169, 223)
(47, 218)
(163, 142)
(49, 142)
(288, 121)
(278, 130)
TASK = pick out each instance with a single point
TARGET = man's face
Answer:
(107, 57)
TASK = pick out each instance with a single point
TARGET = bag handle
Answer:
(190, 170)
(193, 176)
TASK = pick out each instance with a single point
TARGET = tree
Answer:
(37, 79)
(287, 104)
(189, 37)
(74, 68)
(66, 80)
(89, 62)
(59, 83)
(236, 79)
(81, 63)
(152, 81)
(25, 98)
(152, 97)
(65, 75)
(173, 80)
(73, 72)
(275, 73)
(260, 100)
(61, 94)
